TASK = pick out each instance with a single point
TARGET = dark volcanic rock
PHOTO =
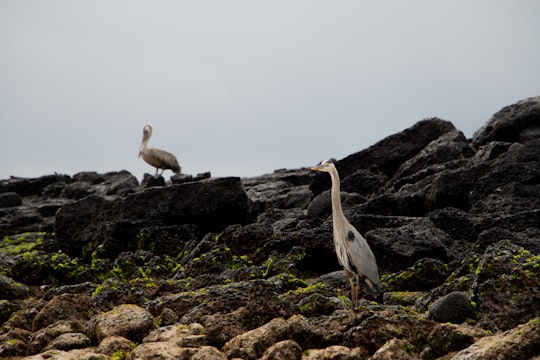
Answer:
(449, 146)
(454, 307)
(518, 122)
(27, 187)
(82, 226)
(398, 248)
(11, 289)
(389, 153)
(10, 199)
(504, 271)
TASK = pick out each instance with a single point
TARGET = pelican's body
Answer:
(160, 159)
(352, 249)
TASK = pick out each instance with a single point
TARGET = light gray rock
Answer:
(127, 320)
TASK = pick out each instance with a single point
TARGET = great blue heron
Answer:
(160, 159)
(352, 249)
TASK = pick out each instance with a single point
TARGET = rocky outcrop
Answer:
(98, 266)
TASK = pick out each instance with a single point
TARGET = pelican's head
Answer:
(325, 165)
(147, 131)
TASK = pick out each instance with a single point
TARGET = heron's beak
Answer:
(139, 154)
(317, 168)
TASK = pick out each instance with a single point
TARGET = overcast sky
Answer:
(246, 87)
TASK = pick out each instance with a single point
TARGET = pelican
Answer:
(352, 249)
(160, 159)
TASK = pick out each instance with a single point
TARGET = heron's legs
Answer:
(354, 281)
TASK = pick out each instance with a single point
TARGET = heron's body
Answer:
(352, 249)
(160, 159)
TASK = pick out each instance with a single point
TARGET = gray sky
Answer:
(246, 87)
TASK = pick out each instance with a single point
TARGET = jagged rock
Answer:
(94, 221)
(371, 330)
(11, 289)
(129, 321)
(286, 349)
(209, 353)
(64, 307)
(119, 183)
(491, 150)
(77, 190)
(6, 309)
(114, 344)
(398, 248)
(425, 274)
(506, 286)
(335, 279)
(10, 199)
(403, 298)
(389, 153)
(161, 350)
(283, 189)
(12, 348)
(454, 307)
(337, 352)
(520, 343)
(262, 306)
(316, 305)
(251, 345)
(364, 182)
(191, 335)
(456, 223)
(451, 145)
(513, 123)
(69, 341)
(396, 349)
(34, 186)
(43, 337)
(321, 205)
(151, 181)
(447, 338)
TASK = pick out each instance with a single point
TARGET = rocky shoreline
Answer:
(99, 266)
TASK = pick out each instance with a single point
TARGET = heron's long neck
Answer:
(337, 211)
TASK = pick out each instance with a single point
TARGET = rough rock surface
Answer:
(98, 266)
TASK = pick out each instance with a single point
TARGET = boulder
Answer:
(519, 343)
(32, 186)
(161, 350)
(454, 308)
(398, 248)
(69, 341)
(286, 349)
(10, 199)
(96, 222)
(388, 154)
(129, 321)
(519, 122)
(11, 289)
(396, 349)
(64, 307)
(451, 145)
(506, 287)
